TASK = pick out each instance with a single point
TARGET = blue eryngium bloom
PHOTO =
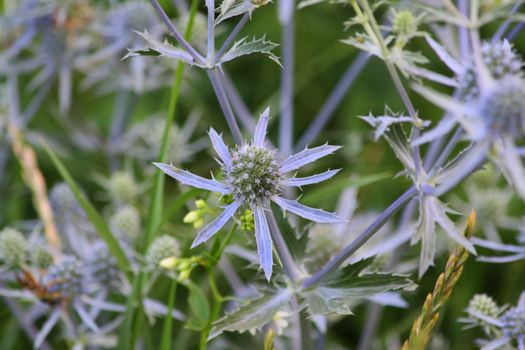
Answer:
(254, 176)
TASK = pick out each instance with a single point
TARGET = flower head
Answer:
(511, 327)
(254, 175)
(502, 107)
(163, 247)
(66, 277)
(484, 304)
(513, 322)
(13, 247)
(126, 222)
(499, 58)
(41, 257)
(102, 267)
(491, 112)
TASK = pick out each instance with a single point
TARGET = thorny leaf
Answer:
(338, 293)
(253, 315)
(244, 47)
(232, 8)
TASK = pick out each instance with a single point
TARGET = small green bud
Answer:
(226, 199)
(184, 275)
(247, 221)
(191, 217)
(13, 247)
(198, 224)
(41, 257)
(122, 187)
(169, 263)
(196, 217)
(185, 265)
(201, 204)
(404, 23)
(126, 222)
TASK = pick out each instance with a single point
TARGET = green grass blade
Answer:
(165, 343)
(94, 217)
(155, 212)
(155, 215)
(125, 338)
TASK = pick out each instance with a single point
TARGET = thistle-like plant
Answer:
(254, 176)
(504, 329)
(490, 108)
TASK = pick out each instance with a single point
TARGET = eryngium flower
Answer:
(484, 304)
(13, 248)
(126, 222)
(66, 277)
(63, 199)
(494, 121)
(514, 323)
(502, 107)
(254, 176)
(102, 267)
(511, 326)
(41, 257)
(499, 58)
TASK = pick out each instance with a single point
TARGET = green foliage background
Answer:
(320, 61)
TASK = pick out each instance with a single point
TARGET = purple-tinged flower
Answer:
(483, 311)
(513, 323)
(511, 326)
(493, 112)
(254, 176)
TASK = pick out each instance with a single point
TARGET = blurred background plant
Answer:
(95, 243)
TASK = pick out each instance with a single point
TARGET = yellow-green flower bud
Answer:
(404, 23)
(191, 217)
(247, 221)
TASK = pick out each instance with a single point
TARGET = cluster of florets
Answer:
(484, 304)
(66, 277)
(254, 174)
(161, 248)
(102, 267)
(247, 221)
(41, 257)
(499, 58)
(122, 187)
(13, 248)
(126, 222)
(62, 198)
(404, 23)
(503, 106)
(513, 322)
